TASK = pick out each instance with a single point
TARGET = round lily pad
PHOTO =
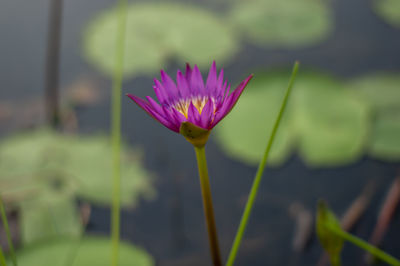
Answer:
(289, 23)
(88, 251)
(382, 91)
(389, 10)
(156, 32)
(324, 121)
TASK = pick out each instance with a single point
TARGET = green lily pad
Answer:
(49, 216)
(76, 165)
(289, 23)
(89, 251)
(90, 165)
(157, 32)
(385, 143)
(332, 124)
(325, 122)
(42, 173)
(244, 133)
(389, 10)
(382, 91)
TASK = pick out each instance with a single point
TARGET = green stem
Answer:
(366, 246)
(2, 258)
(257, 179)
(116, 131)
(8, 232)
(208, 206)
(335, 260)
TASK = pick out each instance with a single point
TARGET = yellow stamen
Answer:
(183, 105)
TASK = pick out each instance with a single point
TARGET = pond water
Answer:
(171, 227)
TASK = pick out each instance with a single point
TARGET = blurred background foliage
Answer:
(389, 10)
(89, 250)
(44, 173)
(157, 33)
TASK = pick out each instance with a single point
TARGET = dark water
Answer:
(171, 228)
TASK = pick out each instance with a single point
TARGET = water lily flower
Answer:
(189, 101)
(193, 108)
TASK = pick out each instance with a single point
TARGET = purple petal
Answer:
(154, 105)
(171, 118)
(238, 91)
(188, 73)
(196, 81)
(220, 78)
(153, 113)
(160, 92)
(193, 115)
(219, 89)
(182, 85)
(164, 121)
(141, 103)
(207, 114)
(211, 83)
(226, 90)
(230, 101)
(169, 86)
(178, 116)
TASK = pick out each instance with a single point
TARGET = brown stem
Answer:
(52, 62)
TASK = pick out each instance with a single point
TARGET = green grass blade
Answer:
(8, 233)
(116, 130)
(389, 259)
(258, 177)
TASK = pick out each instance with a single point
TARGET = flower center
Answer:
(182, 106)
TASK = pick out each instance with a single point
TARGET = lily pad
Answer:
(385, 143)
(49, 216)
(157, 32)
(382, 91)
(43, 172)
(389, 10)
(244, 133)
(44, 160)
(332, 124)
(89, 251)
(324, 121)
(289, 23)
